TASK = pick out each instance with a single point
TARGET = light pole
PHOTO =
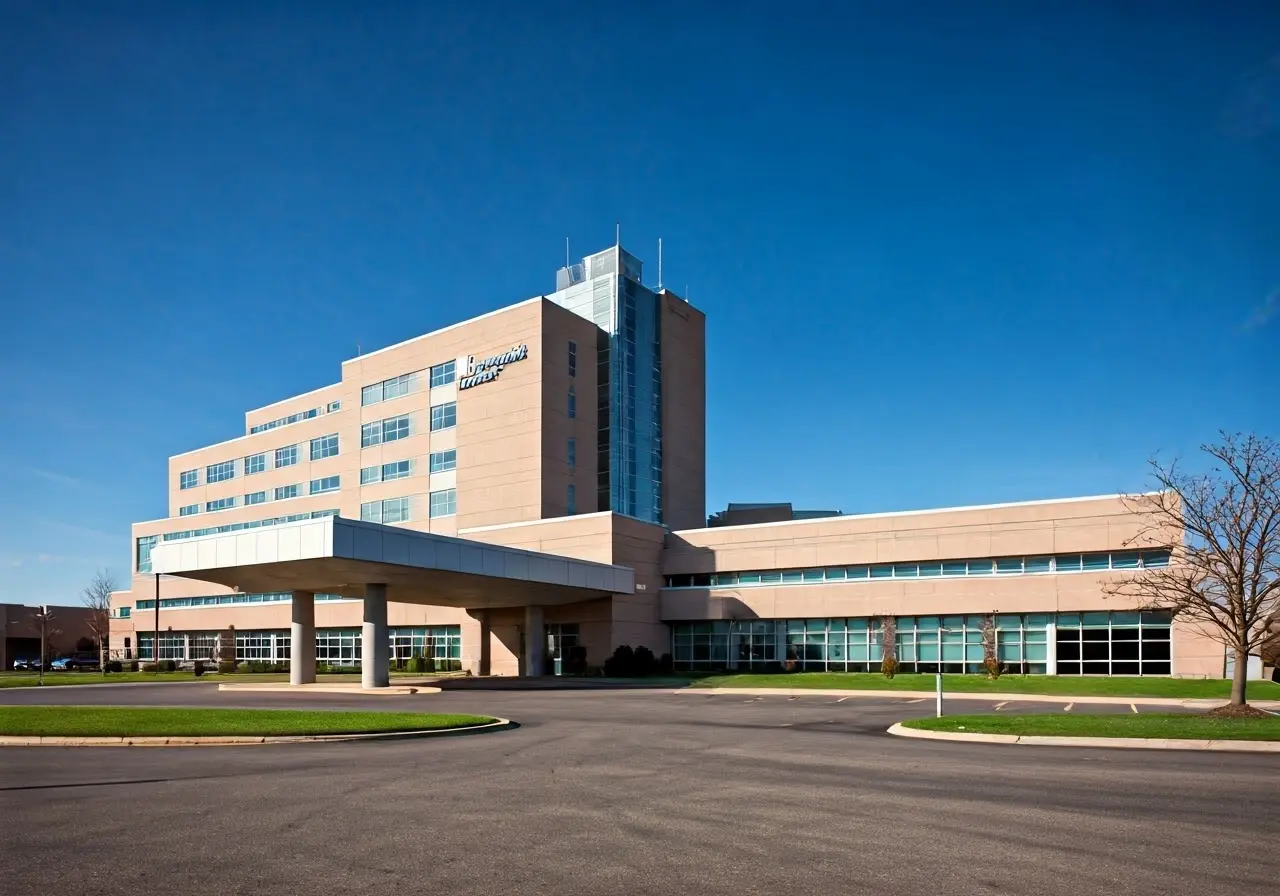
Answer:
(43, 618)
(938, 697)
(155, 643)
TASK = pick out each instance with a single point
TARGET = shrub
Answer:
(889, 666)
(198, 669)
(168, 666)
(622, 663)
(665, 664)
(643, 662)
(993, 667)
(133, 665)
(575, 663)
(114, 666)
(149, 667)
(226, 667)
(415, 665)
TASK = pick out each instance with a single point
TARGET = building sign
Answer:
(473, 373)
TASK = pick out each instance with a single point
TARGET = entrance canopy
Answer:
(340, 556)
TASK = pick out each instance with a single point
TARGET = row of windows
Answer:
(280, 493)
(986, 566)
(217, 600)
(400, 469)
(439, 375)
(334, 646)
(321, 447)
(295, 418)
(1116, 643)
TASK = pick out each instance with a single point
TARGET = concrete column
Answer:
(1051, 650)
(486, 650)
(302, 639)
(375, 650)
(535, 641)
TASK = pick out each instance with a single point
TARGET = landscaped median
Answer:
(1159, 731)
(1047, 685)
(89, 725)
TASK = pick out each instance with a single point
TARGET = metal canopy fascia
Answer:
(340, 556)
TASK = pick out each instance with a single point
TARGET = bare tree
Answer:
(1224, 577)
(97, 598)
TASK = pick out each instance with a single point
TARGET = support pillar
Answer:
(375, 647)
(302, 639)
(535, 641)
(486, 649)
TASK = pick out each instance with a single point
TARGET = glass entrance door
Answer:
(562, 637)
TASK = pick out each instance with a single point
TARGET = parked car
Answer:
(72, 664)
(27, 665)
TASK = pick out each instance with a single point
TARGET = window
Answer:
(573, 358)
(220, 472)
(370, 474)
(444, 416)
(396, 386)
(388, 430)
(286, 491)
(572, 453)
(255, 498)
(327, 484)
(401, 469)
(325, 446)
(395, 510)
(287, 457)
(333, 406)
(387, 389)
(571, 502)
(573, 406)
(444, 503)
(255, 463)
(189, 510)
(443, 374)
(294, 418)
(444, 460)
(220, 504)
(145, 544)
(392, 510)
(189, 479)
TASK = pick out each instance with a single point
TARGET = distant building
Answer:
(67, 628)
(781, 512)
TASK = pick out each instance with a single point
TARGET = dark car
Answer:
(72, 664)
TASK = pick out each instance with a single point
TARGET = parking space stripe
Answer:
(1133, 706)
(1002, 705)
(1067, 708)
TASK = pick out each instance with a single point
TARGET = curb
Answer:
(1130, 743)
(21, 741)
(282, 688)
(1197, 702)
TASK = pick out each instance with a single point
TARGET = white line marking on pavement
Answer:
(1001, 705)
(842, 699)
(1133, 706)
(921, 700)
(1067, 708)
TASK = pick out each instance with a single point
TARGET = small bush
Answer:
(114, 666)
(226, 668)
(149, 667)
(993, 667)
(665, 664)
(168, 666)
(198, 669)
(622, 663)
(889, 666)
(643, 662)
(575, 663)
(133, 665)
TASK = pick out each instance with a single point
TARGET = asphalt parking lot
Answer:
(632, 791)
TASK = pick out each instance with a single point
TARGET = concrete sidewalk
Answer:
(1196, 703)
(1126, 743)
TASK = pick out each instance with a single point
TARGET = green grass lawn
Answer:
(1006, 684)
(129, 721)
(1193, 727)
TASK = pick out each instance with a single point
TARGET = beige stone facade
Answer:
(425, 435)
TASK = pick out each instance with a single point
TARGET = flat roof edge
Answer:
(892, 513)
(454, 326)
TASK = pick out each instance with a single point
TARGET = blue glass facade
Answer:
(607, 290)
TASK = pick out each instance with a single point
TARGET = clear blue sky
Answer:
(970, 253)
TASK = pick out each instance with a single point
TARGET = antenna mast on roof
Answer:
(566, 253)
(659, 262)
(617, 233)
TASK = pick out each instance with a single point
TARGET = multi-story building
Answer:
(535, 477)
